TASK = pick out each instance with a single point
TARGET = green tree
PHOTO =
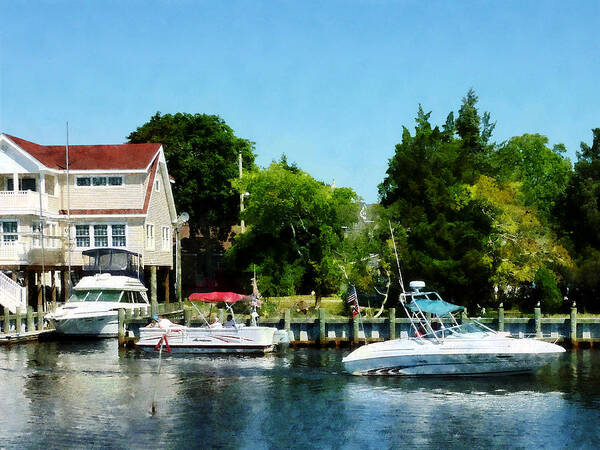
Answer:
(295, 227)
(202, 154)
(427, 191)
(543, 173)
(581, 221)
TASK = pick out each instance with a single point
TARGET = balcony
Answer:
(20, 253)
(27, 202)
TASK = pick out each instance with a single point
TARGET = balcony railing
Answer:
(27, 202)
(13, 253)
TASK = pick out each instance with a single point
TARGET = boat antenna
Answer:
(397, 261)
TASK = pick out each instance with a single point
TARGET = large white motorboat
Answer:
(213, 337)
(440, 345)
(112, 280)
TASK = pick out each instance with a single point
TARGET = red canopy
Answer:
(213, 297)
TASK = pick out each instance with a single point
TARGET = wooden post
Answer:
(121, 327)
(40, 319)
(53, 282)
(40, 286)
(355, 338)
(574, 325)
(167, 287)
(187, 316)
(537, 314)
(153, 285)
(322, 335)
(30, 322)
(287, 320)
(392, 314)
(6, 321)
(501, 317)
(18, 317)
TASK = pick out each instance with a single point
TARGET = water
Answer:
(93, 395)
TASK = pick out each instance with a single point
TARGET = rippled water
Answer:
(93, 395)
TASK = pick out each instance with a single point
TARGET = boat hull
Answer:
(416, 357)
(208, 340)
(101, 325)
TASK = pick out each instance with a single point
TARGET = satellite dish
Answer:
(184, 217)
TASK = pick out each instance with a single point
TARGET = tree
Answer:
(543, 173)
(427, 193)
(202, 154)
(295, 225)
(581, 221)
(519, 244)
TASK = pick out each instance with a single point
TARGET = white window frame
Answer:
(149, 232)
(109, 234)
(95, 182)
(166, 238)
(3, 234)
(157, 184)
(50, 240)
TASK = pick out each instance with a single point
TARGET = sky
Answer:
(329, 83)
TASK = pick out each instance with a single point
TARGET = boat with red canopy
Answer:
(231, 337)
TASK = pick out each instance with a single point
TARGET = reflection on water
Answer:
(91, 394)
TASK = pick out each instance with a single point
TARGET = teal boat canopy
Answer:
(437, 307)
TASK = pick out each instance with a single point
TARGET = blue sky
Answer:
(328, 83)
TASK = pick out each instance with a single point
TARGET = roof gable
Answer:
(91, 157)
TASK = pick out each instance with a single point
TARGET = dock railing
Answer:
(326, 330)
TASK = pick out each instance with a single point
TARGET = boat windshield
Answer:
(95, 295)
(469, 327)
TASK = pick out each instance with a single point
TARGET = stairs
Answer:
(12, 294)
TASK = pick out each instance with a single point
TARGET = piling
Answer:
(501, 317)
(121, 326)
(30, 322)
(537, 314)
(392, 314)
(187, 316)
(574, 325)
(322, 322)
(287, 320)
(18, 325)
(355, 337)
(6, 321)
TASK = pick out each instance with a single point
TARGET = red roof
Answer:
(91, 157)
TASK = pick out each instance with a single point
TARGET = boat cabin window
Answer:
(96, 295)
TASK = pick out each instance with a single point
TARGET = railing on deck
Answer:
(27, 201)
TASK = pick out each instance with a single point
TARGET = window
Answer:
(36, 229)
(150, 237)
(101, 235)
(99, 181)
(105, 235)
(115, 181)
(8, 231)
(157, 185)
(82, 235)
(118, 236)
(166, 238)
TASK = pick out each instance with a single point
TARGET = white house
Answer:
(111, 195)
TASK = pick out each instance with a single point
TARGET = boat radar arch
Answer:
(417, 285)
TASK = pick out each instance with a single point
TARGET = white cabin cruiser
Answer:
(213, 338)
(112, 280)
(442, 346)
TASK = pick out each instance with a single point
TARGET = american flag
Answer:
(353, 299)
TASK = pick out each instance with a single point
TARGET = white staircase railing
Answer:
(12, 294)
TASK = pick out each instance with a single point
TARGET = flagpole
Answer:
(68, 287)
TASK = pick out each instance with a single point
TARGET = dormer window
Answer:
(157, 185)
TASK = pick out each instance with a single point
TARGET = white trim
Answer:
(91, 172)
(101, 216)
(166, 240)
(147, 239)
(91, 236)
